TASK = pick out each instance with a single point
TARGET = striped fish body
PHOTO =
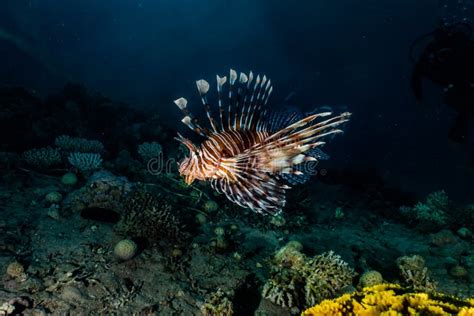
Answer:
(250, 153)
(213, 159)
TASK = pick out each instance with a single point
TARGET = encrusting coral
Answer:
(297, 281)
(392, 299)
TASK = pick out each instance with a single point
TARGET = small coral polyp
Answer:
(392, 299)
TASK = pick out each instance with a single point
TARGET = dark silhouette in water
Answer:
(448, 61)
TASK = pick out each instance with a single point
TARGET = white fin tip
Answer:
(181, 103)
(186, 120)
(243, 78)
(221, 80)
(232, 76)
(203, 86)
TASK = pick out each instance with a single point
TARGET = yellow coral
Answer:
(392, 299)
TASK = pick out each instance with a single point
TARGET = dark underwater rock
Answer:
(102, 191)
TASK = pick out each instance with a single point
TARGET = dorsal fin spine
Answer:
(203, 88)
(270, 90)
(189, 119)
(259, 116)
(220, 83)
(232, 78)
(251, 108)
(242, 81)
(243, 115)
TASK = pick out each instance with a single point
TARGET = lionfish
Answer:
(250, 153)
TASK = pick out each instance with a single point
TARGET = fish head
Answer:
(187, 167)
(186, 170)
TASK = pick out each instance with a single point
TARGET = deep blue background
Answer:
(337, 53)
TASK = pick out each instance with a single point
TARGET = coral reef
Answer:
(53, 197)
(125, 249)
(42, 158)
(432, 214)
(415, 274)
(148, 216)
(77, 144)
(16, 270)
(218, 304)
(210, 206)
(327, 275)
(197, 253)
(102, 190)
(69, 179)
(464, 218)
(392, 299)
(370, 278)
(148, 151)
(297, 281)
(85, 162)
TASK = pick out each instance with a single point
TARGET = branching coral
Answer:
(432, 214)
(148, 151)
(218, 304)
(85, 162)
(392, 299)
(150, 217)
(42, 158)
(76, 144)
(284, 289)
(415, 273)
(327, 275)
(297, 281)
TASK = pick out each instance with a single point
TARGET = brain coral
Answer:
(370, 278)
